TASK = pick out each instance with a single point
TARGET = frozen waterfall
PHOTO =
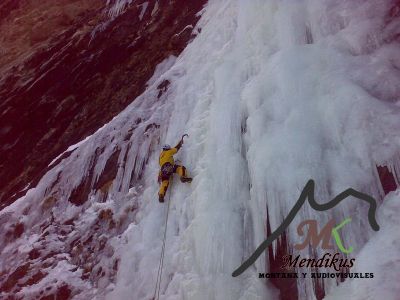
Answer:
(272, 94)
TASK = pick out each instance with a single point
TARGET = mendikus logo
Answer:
(313, 237)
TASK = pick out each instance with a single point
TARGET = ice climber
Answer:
(168, 167)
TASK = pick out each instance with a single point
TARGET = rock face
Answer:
(68, 67)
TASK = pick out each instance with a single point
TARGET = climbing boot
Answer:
(186, 179)
(161, 198)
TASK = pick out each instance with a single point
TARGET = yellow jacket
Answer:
(167, 156)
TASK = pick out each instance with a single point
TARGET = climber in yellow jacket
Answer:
(168, 167)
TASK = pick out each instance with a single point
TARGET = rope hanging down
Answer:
(160, 266)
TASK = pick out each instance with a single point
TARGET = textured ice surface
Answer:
(271, 93)
(380, 256)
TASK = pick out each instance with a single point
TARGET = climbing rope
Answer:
(160, 266)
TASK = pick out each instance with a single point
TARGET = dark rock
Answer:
(109, 173)
(163, 87)
(63, 293)
(34, 253)
(18, 230)
(73, 82)
(387, 179)
(35, 278)
(288, 286)
(13, 278)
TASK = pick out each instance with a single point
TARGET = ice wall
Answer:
(380, 256)
(271, 93)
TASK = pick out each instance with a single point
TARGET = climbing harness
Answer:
(167, 170)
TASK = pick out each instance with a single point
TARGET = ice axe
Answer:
(183, 136)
